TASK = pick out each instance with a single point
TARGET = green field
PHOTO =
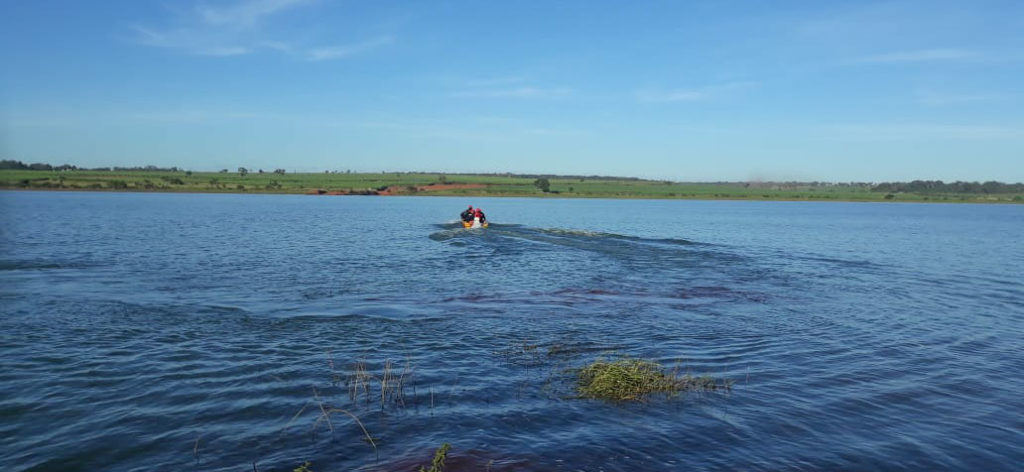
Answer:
(448, 184)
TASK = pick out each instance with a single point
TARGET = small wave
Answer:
(39, 265)
(581, 239)
(614, 236)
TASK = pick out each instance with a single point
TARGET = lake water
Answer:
(179, 332)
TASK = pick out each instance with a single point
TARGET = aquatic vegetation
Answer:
(325, 417)
(391, 384)
(437, 465)
(523, 353)
(629, 379)
(530, 354)
(305, 467)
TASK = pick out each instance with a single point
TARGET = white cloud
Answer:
(675, 96)
(338, 52)
(225, 51)
(913, 132)
(693, 95)
(242, 28)
(940, 99)
(246, 13)
(559, 132)
(514, 92)
(496, 81)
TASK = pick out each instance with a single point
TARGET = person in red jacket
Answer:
(467, 215)
(478, 213)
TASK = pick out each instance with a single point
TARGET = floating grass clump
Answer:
(437, 465)
(635, 379)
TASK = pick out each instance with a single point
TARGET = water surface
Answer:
(203, 332)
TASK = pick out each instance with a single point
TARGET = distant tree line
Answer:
(18, 165)
(938, 186)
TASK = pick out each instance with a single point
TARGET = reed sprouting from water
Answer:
(359, 381)
(325, 416)
(629, 379)
(391, 383)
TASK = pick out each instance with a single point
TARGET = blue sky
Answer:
(682, 90)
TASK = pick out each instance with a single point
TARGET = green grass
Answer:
(628, 379)
(425, 184)
(437, 465)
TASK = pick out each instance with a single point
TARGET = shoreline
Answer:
(505, 185)
(593, 196)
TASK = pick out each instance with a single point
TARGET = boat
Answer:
(474, 224)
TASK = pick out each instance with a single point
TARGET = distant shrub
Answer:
(543, 184)
(118, 184)
(889, 196)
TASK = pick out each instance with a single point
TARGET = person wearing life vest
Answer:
(478, 213)
(467, 215)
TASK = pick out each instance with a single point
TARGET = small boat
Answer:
(474, 224)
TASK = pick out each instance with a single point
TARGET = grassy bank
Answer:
(462, 185)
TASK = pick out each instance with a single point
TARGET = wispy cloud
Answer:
(923, 55)
(338, 52)
(556, 132)
(915, 132)
(693, 95)
(193, 41)
(242, 28)
(225, 51)
(942, 99)
(675, 96)
(486, 82)
(246, 13)
(513, 92)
